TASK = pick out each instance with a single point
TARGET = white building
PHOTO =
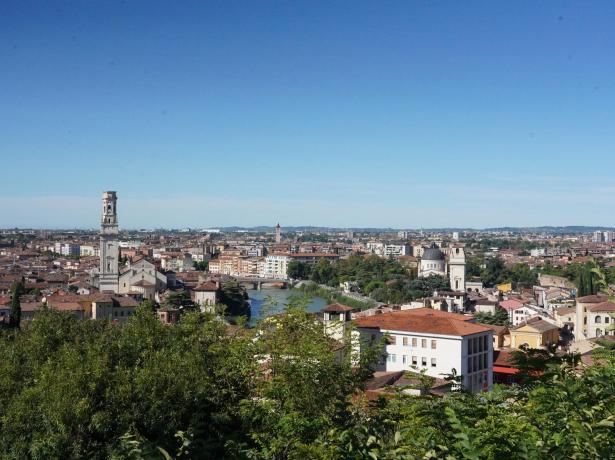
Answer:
(205, 296)
(67, 249)
(176, 261)
(433, 341)
(433, 262)
(109, 246)
(142, 277)
(457, 268)
(276, 266)
(395, 250)
(86, 250)
(593, 317)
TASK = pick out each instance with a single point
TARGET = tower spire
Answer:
(109, 245)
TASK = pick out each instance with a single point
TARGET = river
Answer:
(280, 298)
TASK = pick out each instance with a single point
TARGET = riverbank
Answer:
(270, 301)
(331, 295)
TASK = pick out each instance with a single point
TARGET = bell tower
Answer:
(109, 245)
(457, 268)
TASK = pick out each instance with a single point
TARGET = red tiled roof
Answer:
(423, 320)
(592, 299)
(208, 286)
(511, 304)
(603, 306)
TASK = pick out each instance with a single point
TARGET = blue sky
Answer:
(338, 113)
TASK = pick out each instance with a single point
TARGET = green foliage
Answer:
(15, 312)
(495, 272)
(500, 317)
(473, 266)
(298, 270)
(201, 266)
(331, 295)
(235, 298)
(523, 276)
(179, 299)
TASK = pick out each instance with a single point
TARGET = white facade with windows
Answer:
(437, 353)
(276, 266)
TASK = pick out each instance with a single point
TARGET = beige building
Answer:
(205, 295)
(535, 333)
(141, 277)
(593, 317)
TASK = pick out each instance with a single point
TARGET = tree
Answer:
(179, 299)
(523, 276)
(298, 270)
(201, 266)
(500, 317)
(15, 311)
(473, 266)
(495, 272)
(234, 297)
(323, 273)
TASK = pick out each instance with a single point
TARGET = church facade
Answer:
(433, 262)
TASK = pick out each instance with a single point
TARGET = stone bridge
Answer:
(257, 283)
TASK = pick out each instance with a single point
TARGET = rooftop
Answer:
(423, 320)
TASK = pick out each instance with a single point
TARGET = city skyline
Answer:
(406, 115)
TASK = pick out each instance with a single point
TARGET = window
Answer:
(424, 343)
(392, 358)
(414, 361)
(598, 319)
(392, 340)
(424, 362)
(433, 362)
(606, 319)
(405, 341)
(433, 344)
(404, 359)
(414, 341)
(470, 367)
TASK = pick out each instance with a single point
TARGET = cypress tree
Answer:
(15, 313)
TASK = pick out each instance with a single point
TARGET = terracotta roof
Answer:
(497, 330)
(66, 306)
(125, 301)
(30, 306)
(423, 320)
(207, 286)
(336, 308)
(511, 304)
(603, 306)
(538, 324)
(592, 299)
(503, 358)
(565, 311)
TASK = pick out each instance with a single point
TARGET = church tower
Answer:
(457, 268)
(109, 245)
(278, 234)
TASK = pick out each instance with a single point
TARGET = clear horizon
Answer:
(402, 115)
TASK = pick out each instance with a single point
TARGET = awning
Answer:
(505, 370)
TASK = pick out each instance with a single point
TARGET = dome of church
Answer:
(433, 253)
